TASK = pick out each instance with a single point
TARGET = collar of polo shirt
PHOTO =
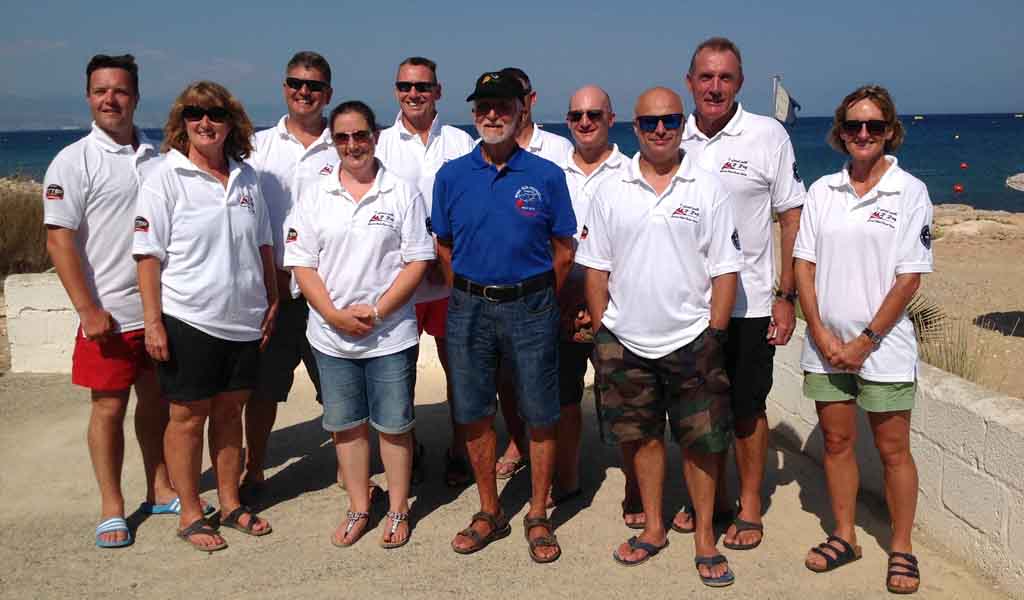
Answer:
(890, 183)
(514, 162)
(104, 141)
(382, 183)
(180, 162)
(403, 131)
(733, 127)
(633, 174)
(282, 130)
(612, 162)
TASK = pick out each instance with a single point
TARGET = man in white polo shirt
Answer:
(88, 207)
(753, 156)
(414, 148)
(662, 255)
(287, 156)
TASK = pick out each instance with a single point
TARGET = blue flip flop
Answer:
(636, 544)
(722, 580)
(110, 525)
(172, 508)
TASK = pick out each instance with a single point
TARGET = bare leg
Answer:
(751, 450)
(226, 451)
(509, 400)
(632, 491)
(701, 472)
(260, 415)
(839, 426)
(892, 438)
(648, 464)
(106, 449)
(353, 449)
(183, 449)
(542, 471)
(152, 412)
(481, 445)
(396, 454)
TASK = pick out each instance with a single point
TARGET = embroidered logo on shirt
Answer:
(246, 202)
(292, 236)
(430, 228)
(796, 173)
(926, 237)
(736, 239)
(735, 166)
(141, 224)
(528, 201)
(327, 170)
(584, 233)
(687, 213)
(382, 218)
(885, 217)
(54, 192)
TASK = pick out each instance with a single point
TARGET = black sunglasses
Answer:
(875, 126)
(421, 86)
(314, 85)
(649, 123)
(217, 114)
(360, 137)
(577, 115)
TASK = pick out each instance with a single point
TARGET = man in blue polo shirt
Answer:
(505, 225)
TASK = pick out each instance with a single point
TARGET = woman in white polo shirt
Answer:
(864, 241)
(206, 275)
(358, 244)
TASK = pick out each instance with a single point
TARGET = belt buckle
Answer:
(491, 287)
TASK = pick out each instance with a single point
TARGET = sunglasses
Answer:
(875, 127)
(649, 123)
(359, 137)
(577, 115)
(314, 85)
(217, 114)
(421, 86)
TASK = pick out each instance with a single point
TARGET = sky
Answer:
(940, 56)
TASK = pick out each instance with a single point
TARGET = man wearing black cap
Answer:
(504, 221)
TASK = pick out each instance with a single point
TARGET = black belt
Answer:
(505, 293)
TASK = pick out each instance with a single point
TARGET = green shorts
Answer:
(872, 396)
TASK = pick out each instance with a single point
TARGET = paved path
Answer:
(48, 509)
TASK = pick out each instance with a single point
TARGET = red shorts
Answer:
(431, 317)
(111, 365)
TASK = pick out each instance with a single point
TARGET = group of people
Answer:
(204, 273)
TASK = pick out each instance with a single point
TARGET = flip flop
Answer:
(720, 517)
(200, 526)
(173, 508)
(500, 528)
(742, 526)
(396, 519)
(110, 525)
(517, 466)
(723, 580)
(635, 543)
(232, 521)
(353, 518)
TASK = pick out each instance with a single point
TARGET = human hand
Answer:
(267, 326)
(827, 343)
(783, 322)
(355, 320)
(96, 323)
(584, 331)
(156, 341)
(852, 354)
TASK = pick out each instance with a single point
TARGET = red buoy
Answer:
(963, 165)
(958, 188)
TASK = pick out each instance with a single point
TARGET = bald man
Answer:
(662, 253)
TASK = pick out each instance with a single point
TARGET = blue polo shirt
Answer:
(501, 223)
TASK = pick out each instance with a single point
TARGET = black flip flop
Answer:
(742, 526)
(635, 543)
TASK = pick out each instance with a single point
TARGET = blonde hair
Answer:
(208, 94)
(880, 96)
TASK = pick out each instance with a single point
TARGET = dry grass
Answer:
(22, 234)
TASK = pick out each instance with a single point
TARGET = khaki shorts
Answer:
(872, 396)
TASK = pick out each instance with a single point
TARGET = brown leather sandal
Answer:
(547, 540)
(500, 528)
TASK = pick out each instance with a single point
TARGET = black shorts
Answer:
(572, 367)
(287, 347)
(748, 362)
(202, 366)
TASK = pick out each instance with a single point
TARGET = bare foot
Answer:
(350, 529)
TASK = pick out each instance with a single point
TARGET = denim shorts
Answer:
(520, 334)
(378, 390)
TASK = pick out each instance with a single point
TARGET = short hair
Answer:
(880, 96)
(310, 60)
(208, 94)
(353, 106)
(104, 61)
(420, 61)
(717, 44)
(522, 77)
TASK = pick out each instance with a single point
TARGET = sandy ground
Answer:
(50, 508)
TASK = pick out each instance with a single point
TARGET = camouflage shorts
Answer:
(689, 387)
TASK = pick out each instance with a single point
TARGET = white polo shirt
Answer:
(582, 186)
(754, 158)
(283, 164)
(661, 252)
(358, 249)
(859, 246)
(549, 145)
(407, 157)
(90, 187)
(208, 240)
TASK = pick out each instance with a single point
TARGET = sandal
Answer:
(232, 521)
(742, 526)
(500, 528)
(635, 544)
(723, 580)
(847, 555)
(516, 465)
(109, 526)
(719, 518)
(200, 526)
(397, 518)
(633, 507)
(907, 569)
(547, 540)
(353, 518)
(457, 472)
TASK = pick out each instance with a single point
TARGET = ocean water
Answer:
(991, 145)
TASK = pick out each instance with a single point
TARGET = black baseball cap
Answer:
(496, 84)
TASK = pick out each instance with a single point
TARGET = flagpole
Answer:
(775, 91)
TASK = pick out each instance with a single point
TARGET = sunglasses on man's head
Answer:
(360, 137)
(875, 126)
(421, 86)
(577, 115)
(649, 123)
(217, 114)
(314, 85)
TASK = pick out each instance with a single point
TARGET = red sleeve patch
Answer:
(54, 192)
(141, 225)
(292, 236)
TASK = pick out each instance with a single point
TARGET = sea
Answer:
(974, 153)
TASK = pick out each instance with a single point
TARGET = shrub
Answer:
(22, 233)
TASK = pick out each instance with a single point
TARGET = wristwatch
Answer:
(787, 296)
(874, 337)
(719, 334)
(376, 315)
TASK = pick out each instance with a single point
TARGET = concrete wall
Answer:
(41, 323)
(968, 443)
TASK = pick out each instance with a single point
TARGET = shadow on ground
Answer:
(1007, 323)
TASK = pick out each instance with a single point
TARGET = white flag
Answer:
(785, 105)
